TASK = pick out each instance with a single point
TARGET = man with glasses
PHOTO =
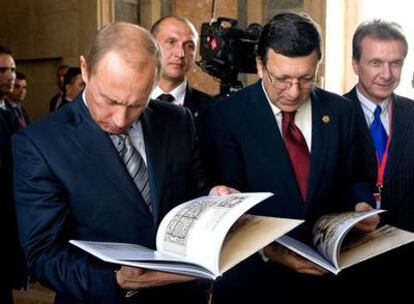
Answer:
(285, 135)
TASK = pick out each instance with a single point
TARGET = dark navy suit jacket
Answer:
(387, 273)
(246, 151)
(71, 184)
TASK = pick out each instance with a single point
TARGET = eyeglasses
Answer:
(282, 84)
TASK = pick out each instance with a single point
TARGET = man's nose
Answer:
(386, 71)
(179, 50)
(120, 118)
(293, 90)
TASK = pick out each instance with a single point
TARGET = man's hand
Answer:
(282, 255)
(222, 190)
(370, 223)
(136, 278)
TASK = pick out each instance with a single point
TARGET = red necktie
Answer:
(298, 151)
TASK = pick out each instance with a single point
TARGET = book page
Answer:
(251, 233)
(196, 230)
(330, 230)
(371, 244)
(307, 252)
(142, 257)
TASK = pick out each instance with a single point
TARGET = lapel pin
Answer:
(326, 119)
(195, 114)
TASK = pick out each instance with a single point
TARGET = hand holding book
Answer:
(288, 258)
(370, 223)
(335, 248)
(133, 278)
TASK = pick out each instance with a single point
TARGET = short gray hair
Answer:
(377, 29)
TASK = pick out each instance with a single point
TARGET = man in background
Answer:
(385, 146)
(178, 38)
(60, 74)
(16, 99)
(73, 84)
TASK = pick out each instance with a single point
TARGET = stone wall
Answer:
(44, 34)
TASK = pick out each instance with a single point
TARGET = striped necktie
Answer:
(135, 165)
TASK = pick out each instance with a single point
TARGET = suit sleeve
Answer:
(46, 225)
(221, 150)
(360, 190)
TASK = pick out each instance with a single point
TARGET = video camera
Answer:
(226, 50)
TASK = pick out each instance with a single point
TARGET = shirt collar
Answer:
(178, 92)
(276, 111)
(370, 105)
(2, 104)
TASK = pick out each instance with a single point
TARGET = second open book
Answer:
(336, 246)
(201, 238)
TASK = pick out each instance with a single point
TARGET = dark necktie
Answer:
(135, 165)
(166, 97)
(378, 133)
(298, 151)
(20, 117)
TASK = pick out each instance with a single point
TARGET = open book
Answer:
(337, 247)
(202, 238)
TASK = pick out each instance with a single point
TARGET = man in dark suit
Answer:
(251, 135)
(14, 274)
(178, 40)
(15, 99)
(60, 76)
(385, 145)
(70, 182)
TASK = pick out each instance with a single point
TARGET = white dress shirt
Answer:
(303, 118)
(178, 93)
(368, 107)
(2, 104)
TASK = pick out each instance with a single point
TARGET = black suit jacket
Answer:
(246, 151)
(14, 268)
(198, 102)
(71, 184)
(15, 118)
(53, 101)
(387, 272)
(398, 192)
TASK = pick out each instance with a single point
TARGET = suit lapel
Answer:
(400, 125)
(156, 149)
(191, 103)
(322, 122)
(262, 123)
(363, 127)
(96, 146)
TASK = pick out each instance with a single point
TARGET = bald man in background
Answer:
(178, 39)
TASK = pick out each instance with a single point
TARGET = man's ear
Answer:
(259, 66)
(355, 66)
(84, 69)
